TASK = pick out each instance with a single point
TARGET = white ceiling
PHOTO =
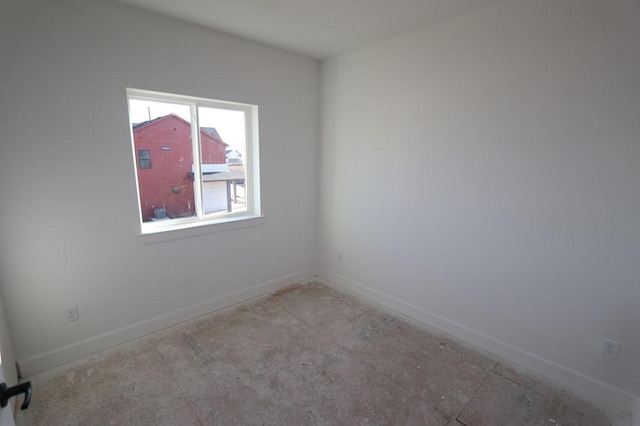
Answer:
(316, 28)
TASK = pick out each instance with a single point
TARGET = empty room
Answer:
(285, 212)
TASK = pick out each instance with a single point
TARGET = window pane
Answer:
(162, 133)
(223, 149)
(144, 159)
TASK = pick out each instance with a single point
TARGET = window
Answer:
(144, 159)
(205, 160)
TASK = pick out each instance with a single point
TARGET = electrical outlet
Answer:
(610, 348)
(71, 313)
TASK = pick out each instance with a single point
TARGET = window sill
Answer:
(195, 229)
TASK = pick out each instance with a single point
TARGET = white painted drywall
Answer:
(485, 173)
(68, 211)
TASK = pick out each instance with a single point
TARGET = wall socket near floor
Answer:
(71, 313)
(610, 348)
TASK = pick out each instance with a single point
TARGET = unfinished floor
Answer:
(309, 356)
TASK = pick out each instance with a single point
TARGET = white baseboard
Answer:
(59, 356)
(603, 394)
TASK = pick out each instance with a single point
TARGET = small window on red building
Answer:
(205, 160)
(144, 159)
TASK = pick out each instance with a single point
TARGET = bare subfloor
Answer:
(309, 356)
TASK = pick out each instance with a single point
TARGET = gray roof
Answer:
(223, 176)
(212, 131)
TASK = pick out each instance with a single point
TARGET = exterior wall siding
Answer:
(168, 183)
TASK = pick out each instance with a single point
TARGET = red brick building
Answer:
(164, 164)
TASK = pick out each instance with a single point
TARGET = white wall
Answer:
(483, 175)
(214, 196)
(68, 211)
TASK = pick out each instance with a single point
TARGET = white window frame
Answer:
(225, 220)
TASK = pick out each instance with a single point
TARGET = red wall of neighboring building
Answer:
(168, 183)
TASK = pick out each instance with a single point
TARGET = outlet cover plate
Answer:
(71, 313)
(610, 348)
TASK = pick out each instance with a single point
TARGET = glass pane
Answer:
(223, 144)
(162, 139)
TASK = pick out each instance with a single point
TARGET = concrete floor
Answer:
(308, 356)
